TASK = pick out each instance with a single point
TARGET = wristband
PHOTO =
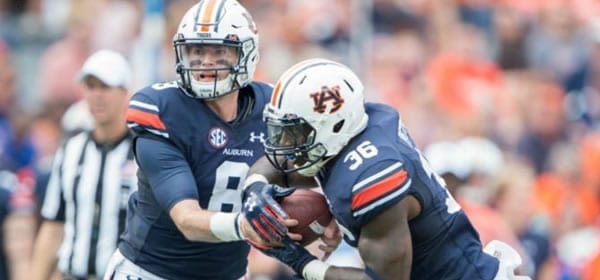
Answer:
(225, 226)
(255, 178)
(315, 270)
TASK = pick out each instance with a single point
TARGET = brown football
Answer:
(311, 210)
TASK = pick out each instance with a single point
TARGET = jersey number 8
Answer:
(222, 193)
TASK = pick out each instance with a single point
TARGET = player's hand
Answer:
(331, 239)
(266, 217)
(291, 253)
(265, 189)
(251, 236)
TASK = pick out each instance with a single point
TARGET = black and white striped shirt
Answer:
(88, 191)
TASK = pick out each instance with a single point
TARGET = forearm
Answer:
(45, 250)
(263, 167)
(387, 260)
(345, 273)
(19, 239)
(195, 226)
(398, 268)
(275, 176)
(318, 270)
(385, 243)
(198, 224)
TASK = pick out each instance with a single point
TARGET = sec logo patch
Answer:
(217, 137)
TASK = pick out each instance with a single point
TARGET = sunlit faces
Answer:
(210, 62)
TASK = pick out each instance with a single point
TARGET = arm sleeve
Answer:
(167, 171)
(144, 116)
(53, 207)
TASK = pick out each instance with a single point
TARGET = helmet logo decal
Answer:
(217, 137)
(327, 95)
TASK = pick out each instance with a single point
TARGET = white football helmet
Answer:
(216, 22)
(317, 106)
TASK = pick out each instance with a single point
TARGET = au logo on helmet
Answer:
(327, 95)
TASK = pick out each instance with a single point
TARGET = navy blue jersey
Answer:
(381, 166)
(218, 153)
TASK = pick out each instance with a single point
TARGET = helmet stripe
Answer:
(219, 14)
(275, 93)
(290, 75)
(207, 12)
(285, 78)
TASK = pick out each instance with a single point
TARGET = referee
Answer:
(92, 177)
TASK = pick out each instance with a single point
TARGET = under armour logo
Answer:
(260, 137)
(250, 203)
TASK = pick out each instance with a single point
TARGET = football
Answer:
(311, 210)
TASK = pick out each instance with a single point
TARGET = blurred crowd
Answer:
(503, 96)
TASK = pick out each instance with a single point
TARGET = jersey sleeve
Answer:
(377, 188)
(167, 171)
(144, 116)
(53, 207)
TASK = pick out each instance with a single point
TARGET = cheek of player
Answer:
(106, 104)
(292, 137)
(206, 58)
(302, 135)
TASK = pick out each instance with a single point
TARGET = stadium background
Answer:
(508, 90)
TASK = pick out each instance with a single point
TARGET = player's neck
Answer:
(225, 107)
(109, 133)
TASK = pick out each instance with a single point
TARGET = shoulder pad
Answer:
(378, 186)
(144, 112)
